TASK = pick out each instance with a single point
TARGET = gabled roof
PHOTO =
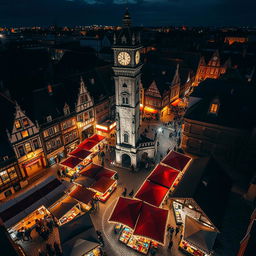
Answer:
(209, 186)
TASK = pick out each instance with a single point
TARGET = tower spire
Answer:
(127, 21)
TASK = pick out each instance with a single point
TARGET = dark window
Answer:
(126, 138)
(21, 150)
(125, 85)
(36, 144)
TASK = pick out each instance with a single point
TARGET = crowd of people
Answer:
(50, 250)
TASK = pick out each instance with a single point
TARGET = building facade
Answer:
(214, 68)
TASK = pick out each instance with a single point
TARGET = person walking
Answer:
(177, 230)
(131, 193)
(27, 233)
(124, 192)
(170, 244)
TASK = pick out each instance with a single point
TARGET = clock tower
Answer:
(127, 73)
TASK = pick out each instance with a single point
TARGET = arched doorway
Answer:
(126, 160)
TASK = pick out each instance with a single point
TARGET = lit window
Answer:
(46, 133)
(17, 124)
(28, 147)
(25, 122)
(4, 177)
(12, 173)
(24, 134)
(214, 108)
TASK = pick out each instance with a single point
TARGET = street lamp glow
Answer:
(160, 129)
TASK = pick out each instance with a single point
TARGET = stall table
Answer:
(66, 210)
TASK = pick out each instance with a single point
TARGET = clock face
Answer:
(137, 57)
(124, 58)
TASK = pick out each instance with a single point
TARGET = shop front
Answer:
(65, 210)
(56, 156)
(33, 165)
(87, 131)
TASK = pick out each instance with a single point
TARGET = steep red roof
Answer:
(82, 194)
(176, 160)
(163, 175)
(126, 212)
(152, 223)
(103, 185)
(71, 162)
(80, 153)
(152, 193)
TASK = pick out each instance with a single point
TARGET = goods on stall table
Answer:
(177, 209)
(95, 252)
(69, 216)
(125, 235)
(139, 244)
(190, 249)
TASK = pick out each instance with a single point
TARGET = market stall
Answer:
(176, 160)
(93, 143)
(82, 154)
(198, 239)
(29, 221)
(84, 196)
(71, 165)
(65, 210)
(104, 187)
(139, 225)
(95, 171)
(164, 175)
(23, 211)
(79, 238)
(152, 193)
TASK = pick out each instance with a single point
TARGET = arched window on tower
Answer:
(125, 98)
(125, 85)
(126, 137)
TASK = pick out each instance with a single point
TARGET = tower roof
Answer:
(127, 21)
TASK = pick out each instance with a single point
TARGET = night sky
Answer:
(144, 12)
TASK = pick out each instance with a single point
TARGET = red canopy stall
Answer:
(96, 171)
(152, 223)
(163, 175)
(71, 163)
(126, 212)
(152, 193)
(84, 196)
(91, 142)
(80, 153)
(144, 225)
(103, 187)
(176, 160)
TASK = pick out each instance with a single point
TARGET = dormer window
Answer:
(49, 118)
(214, 108)
(25, 122)
(66, 110)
